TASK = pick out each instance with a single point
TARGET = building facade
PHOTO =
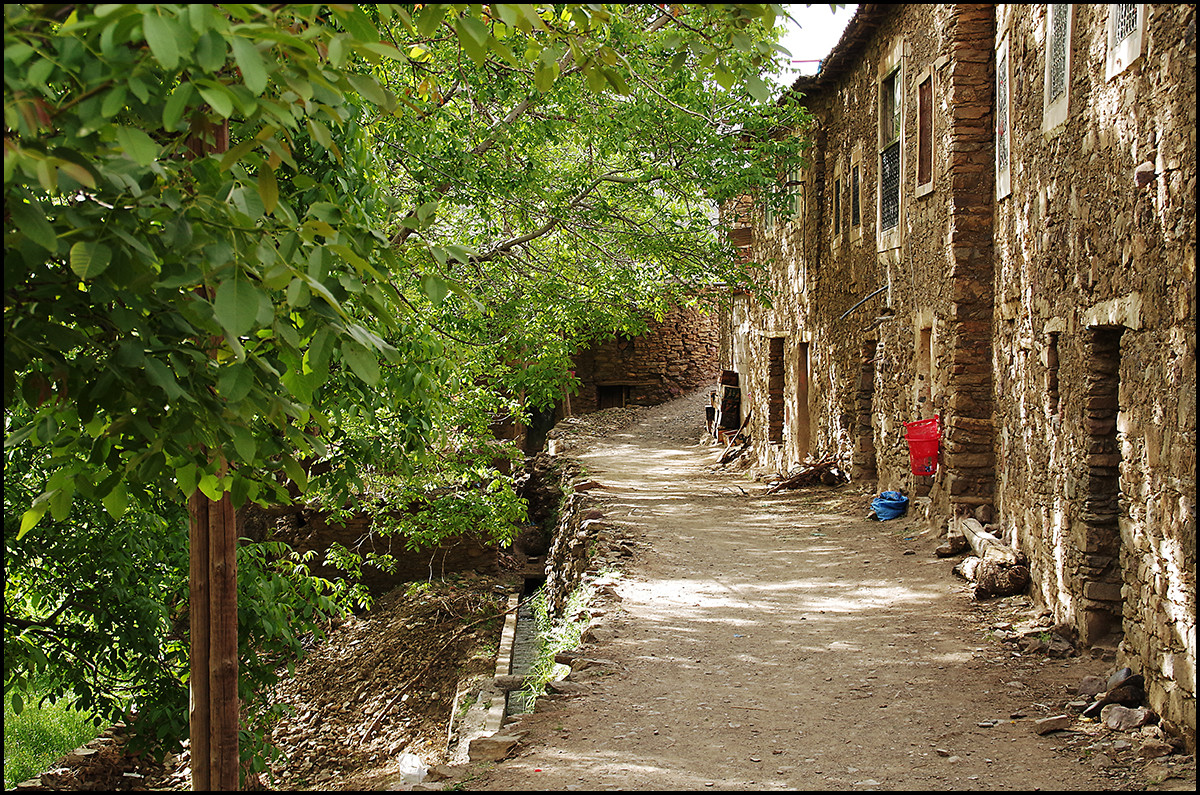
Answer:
(997, 228)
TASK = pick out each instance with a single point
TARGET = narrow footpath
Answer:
(785, 641)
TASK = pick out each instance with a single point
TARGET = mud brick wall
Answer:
(1095, 341)
(673, 357)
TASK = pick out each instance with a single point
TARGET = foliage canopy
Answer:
(421, 214)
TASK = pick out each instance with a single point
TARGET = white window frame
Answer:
(1003, 121)
(892, 62)
(1122, 54)
(924, 188)
(1056, 110)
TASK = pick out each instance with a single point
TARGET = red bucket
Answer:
(922, 445)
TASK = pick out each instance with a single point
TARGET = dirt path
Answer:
(785, 642)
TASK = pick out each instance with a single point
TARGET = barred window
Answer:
(889, 187)
(855, 205)
(1057, 55)
(1124, 21)
(1126, 28)
(1002, 111)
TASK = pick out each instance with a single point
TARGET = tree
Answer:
(420, 216)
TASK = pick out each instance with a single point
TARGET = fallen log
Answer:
(985, 545)
(992, 578)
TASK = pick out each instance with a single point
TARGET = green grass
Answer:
(554, 637)
(39, 736)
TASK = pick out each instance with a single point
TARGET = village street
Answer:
(785, 641)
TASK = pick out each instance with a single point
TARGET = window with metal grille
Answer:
(1002, 111)
(925, 132)
(855, 202)
(1126, 29)
(1003, 125)
(1125, 21)
(889, 187)
(1057, 55)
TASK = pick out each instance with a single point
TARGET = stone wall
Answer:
(1045, 311)
(1095, 340)
(674, 356)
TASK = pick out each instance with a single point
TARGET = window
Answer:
(795, 188)
(1126, 23)
(837, 206)
(1055, 98)
(889, 158)
(891, 133)
(925, 134)
(1003, 154)
(855, 200)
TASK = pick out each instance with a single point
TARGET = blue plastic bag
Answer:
(889, 505)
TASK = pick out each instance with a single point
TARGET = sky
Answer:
(819, 30)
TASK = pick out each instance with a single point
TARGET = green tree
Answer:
(420, 217)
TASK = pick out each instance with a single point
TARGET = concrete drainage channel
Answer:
(480, 705)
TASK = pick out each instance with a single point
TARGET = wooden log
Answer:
(985, 545)
(992, 578)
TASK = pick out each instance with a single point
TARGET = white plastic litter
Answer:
(412, 769)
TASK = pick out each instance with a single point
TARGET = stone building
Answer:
(997, 228)
(675, 355)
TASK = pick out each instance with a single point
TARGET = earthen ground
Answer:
(787, 642)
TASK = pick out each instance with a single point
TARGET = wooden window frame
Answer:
(926, 155)
(891, 65)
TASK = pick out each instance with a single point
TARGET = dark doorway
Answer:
(1100, 569)
(610, 396)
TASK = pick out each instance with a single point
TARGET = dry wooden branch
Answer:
(808, 474)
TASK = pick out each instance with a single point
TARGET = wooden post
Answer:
(212, 572)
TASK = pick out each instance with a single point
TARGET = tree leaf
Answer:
(89, 259)
(362, 361)
(160, 35)
(31, 220)
(116, 501)
(250, 61)
(218, 97)
(237, 304)
(268, 189)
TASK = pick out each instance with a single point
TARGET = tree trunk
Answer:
(213, 708)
